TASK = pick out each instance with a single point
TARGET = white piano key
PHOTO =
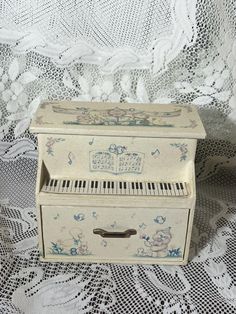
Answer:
(50, 184)
(185, 193)
(164, 191)
(185, 189)
(111, 190)
(139, 190)
(96, 187)
(148, 188)
(132, 188)
(168, 189)
(119, 188)
(105, 187)
(71, 185)
(55, 185)
(180, 190)
(154, 189)
(126, 188)
(159, 189)
(173, 189)
(89, 187)
(75, 184)
(177, 189)
(58, 189)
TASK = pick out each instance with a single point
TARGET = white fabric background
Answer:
(162, 51)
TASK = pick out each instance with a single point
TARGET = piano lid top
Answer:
(118, 119)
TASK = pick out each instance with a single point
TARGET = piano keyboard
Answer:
(116, 187)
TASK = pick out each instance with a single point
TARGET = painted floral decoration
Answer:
(51, 141)
(183, 150)
(79, 217)
(160, 219)
(175, 253)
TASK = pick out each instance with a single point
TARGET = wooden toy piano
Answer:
(116, 182)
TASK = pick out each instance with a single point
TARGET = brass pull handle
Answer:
(111, 234)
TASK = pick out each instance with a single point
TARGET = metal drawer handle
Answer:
(111, 234)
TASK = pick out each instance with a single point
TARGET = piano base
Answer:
(115, 234)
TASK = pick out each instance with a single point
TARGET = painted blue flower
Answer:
(144, 237)
(56, 249)
(159, 219)
(79, 217)
(140, 252)
(94, 214)
(142, 225)
(114, 224)
(77, 241)
(73, 251)
(175, 253)
(104, 243)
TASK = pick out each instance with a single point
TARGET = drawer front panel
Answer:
(128, 234)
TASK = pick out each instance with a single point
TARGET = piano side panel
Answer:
(121, 158)
(191, 212)
(42, 175)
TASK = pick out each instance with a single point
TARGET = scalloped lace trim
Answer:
(163, 50)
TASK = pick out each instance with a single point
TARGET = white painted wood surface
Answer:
(116, 142)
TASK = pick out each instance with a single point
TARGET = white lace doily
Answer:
(179, 51)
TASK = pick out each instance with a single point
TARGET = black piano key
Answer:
(181, 186)
(149, 185)
(137, 186)
(68, 183)
(96, 184)
(125, 185)
(169, 186)
(55, 183)
(92, 184)
(165, 186)
(161, 186)
(64, 183)
(104, 184)
(51, 183)
(132, 185)
(84, 184)
(76, 183)
(112, 184)
(47, 182)
(108, 184)
(140, 185)
(177, 185)
(80, 184)
(120, 185)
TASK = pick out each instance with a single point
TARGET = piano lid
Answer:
(118, 119)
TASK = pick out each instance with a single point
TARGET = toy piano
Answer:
(116, 182)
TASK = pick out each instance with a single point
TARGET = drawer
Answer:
(112, 234)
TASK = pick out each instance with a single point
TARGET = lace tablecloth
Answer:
(172, 51)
